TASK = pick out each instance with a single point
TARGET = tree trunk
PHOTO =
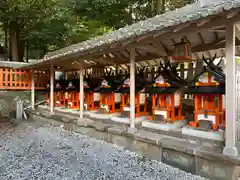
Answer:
(13, 42)
(153, 8)
(159, 7)
(21, 49)
(6, 42)
(163, 6)
(26, 50)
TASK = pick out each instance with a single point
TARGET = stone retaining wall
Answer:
(170, 151)
(8, 101)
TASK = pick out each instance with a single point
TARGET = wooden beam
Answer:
(105, 61)
(151, 49)
(208, 46)
(119, 53)
(221, 30)
(138, 53)
(214, 22)
(126, 53)
(203, 42)
(180, 27)
(147, 62)
(216, 38)
(237, 31)
(203, 21)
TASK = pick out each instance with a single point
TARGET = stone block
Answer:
(125, 114)
(116, 130)
(178, 145)
(211, 135)
(101, 127)
(183, 161)
(205, 125)
(158, 117)
(163, 126)
(153, 152)
(120, 141)
(146, 150)
(82, 122)
(126, 120)
(148, 137)
(216, 170)
(97, 115)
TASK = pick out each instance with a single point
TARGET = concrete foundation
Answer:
(195, 158)
(157, 125)
(213, 135)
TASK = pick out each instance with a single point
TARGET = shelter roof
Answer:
(113, 48)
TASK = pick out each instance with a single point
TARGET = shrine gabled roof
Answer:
(130, 33)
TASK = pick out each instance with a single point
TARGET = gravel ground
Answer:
(29, 151)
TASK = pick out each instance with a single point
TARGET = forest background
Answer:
(31, 28)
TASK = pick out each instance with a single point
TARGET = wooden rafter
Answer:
(212, 23)
(150, 48)
(237, 34)
(203, 42)
(138, 53)
(126, 53)
(120, 55)
(209, 46)
(216, 38)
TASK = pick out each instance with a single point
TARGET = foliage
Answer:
(1, 34)
(48, 25)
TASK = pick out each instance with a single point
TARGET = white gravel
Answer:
(45, 152)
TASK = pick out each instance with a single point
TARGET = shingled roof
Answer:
(185, 14)
(153, 38)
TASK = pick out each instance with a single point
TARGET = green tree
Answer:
(35, 27)
(18, 16)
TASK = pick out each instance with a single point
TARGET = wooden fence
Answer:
(11, 79)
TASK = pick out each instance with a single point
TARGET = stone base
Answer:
(75, 112)
(87, 113)
(125, 114)
(126, 120)
(232, 152)
(102, 116)
(45, 107)
(163, 126)
(212, 135)
(132, 130)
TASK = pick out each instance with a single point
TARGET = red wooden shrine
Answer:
(125, 100)
(107, 98)
(208, 106)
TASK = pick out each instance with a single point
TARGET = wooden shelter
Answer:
(166, 95)
(208, 92)
(140, 95)
(209, 28)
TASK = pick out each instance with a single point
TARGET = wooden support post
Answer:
(51, 89)
(32, 89)
(230, 139)
(132, 128)
(81, 95)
